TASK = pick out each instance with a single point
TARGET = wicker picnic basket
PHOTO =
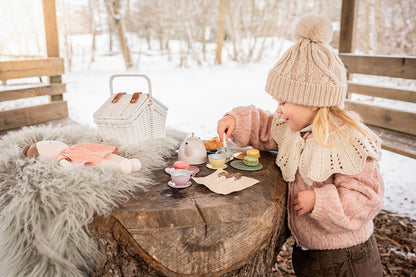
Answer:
(131, 118)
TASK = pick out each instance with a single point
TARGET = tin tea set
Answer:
(192, 152)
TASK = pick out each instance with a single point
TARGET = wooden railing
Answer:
(53, 68)
(397, 128)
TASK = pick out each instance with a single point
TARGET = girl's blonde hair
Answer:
(329, 119)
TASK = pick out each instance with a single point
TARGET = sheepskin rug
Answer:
(45, 209)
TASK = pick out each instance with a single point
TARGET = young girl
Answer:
(327, 156)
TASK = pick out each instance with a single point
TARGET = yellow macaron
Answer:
(253, 152)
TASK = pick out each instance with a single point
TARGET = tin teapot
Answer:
(192, 150)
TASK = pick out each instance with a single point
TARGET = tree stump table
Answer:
(195, 232)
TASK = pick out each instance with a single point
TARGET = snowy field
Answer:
(197, 96)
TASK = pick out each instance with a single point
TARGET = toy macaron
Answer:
(253, 152)
(251, 161)
(181, 165)
(249, 152)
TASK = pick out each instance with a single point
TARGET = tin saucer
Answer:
(173, 185)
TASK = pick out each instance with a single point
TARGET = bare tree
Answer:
(66, 31)
(114, 12)
(245, 29)
(386, 27)
(193, 28)
(220, 31)
(250, 24)
(92, 5)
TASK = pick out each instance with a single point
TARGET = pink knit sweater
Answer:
(345, 204)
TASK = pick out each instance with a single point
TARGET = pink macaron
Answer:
(181, 165)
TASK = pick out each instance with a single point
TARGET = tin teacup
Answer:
(181, 177)
(228, 154)
(216, 160)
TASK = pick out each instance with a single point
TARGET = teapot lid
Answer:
(193, 136)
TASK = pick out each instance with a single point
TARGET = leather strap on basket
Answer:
(117, 97)
(135, 97)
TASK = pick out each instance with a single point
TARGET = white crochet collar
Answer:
(306, 129)
(315, 162)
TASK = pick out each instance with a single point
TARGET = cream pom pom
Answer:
(317, 28)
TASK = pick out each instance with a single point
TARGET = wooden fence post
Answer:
(348, 22)
(52, 40)
(347, 30)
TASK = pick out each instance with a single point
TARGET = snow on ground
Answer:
(198, 96)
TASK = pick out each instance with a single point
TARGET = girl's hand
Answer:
(226, 125)
(304, 202)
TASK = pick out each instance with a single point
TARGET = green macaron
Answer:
(251, 161)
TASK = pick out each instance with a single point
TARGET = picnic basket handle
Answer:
(130, 75)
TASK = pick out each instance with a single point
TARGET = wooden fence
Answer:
(55, 109)
(396, 127)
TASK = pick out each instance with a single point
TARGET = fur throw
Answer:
(45, 209)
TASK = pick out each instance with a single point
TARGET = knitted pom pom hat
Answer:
(310, 72)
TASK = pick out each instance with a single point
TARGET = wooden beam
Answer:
(391, 119)
(399, 67)
(348, 21)
(383, 92)
(396, 142)
(51, 28)
(32, 91)
(31, 68)
(52, 40)
(32, 115)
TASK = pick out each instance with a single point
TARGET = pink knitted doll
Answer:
(84, 154)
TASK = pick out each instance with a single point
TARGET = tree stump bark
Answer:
(195, 232)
